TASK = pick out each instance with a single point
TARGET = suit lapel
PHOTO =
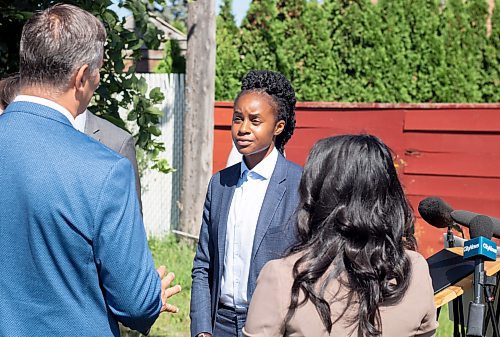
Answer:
(91, 127)
(228, 183)
(275, 192)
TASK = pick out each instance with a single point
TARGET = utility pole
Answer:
(199, 113)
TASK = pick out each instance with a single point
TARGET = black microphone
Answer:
(479, 249)
(465, 218)
(437, 213)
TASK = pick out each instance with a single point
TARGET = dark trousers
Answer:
(229, 321)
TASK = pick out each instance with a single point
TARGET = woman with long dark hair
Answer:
(354, 270)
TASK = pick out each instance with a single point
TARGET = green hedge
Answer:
(355, 51)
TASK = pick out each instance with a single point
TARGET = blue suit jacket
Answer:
(74, 258)
(274, 234)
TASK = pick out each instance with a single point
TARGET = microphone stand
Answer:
(487, 283)
(496, 291)
(458, 307)
(477, 325)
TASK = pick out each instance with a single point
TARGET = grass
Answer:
(445, 325)
(178, 256)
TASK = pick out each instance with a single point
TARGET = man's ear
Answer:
(279, 127)
(82, 75)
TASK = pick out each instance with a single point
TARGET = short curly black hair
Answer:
(280, 89)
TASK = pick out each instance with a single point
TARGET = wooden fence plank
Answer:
(479, 120)
(448, 186)
(453, 164)
(453, 142)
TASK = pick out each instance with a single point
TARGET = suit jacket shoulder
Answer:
(106, 132)
(117, 140)
(294, 170)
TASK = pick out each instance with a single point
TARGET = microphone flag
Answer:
(480, 247)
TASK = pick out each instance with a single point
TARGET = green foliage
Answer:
(491, 66)
(317, 63)
(173, 61)
(228, 67)
(393, 56)
(359, 43)
(428, 53)
(445, 328)
(119, 88)
(257, 42)
(355, 51)
(460, 74)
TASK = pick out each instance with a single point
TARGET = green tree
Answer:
(229, 70)
(394, 55)
(355, 51)
(359, 44)
(288, 34)
(428, 54)
(491, 59)
(120, 87)
(460, 74)
(320, 66)
(258, 45)
(173, 60)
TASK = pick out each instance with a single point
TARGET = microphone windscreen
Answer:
(481, 225)
(436, 212)
(464, 218)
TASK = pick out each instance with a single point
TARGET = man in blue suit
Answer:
(248, 209)
(74, 257)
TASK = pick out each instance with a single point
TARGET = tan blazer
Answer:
(414, 315)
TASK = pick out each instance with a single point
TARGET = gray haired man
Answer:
(74, 255)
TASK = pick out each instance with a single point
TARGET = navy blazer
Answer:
(74, 258)
(274, 234)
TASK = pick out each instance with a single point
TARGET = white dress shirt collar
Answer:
(80, 121)
(47, 103)
(265, 168)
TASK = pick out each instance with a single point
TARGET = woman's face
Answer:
(254, 127)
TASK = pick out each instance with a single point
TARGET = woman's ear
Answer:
(279, 127)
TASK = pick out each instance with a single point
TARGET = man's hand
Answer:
(167, 292)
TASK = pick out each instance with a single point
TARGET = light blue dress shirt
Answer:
(242, 222)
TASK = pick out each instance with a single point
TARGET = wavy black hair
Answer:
(353, 219)
(281, 91)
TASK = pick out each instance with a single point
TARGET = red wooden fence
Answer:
(446, 150)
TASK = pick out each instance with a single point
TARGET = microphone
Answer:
(465, 218)
(437, 213)
(479, 249)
